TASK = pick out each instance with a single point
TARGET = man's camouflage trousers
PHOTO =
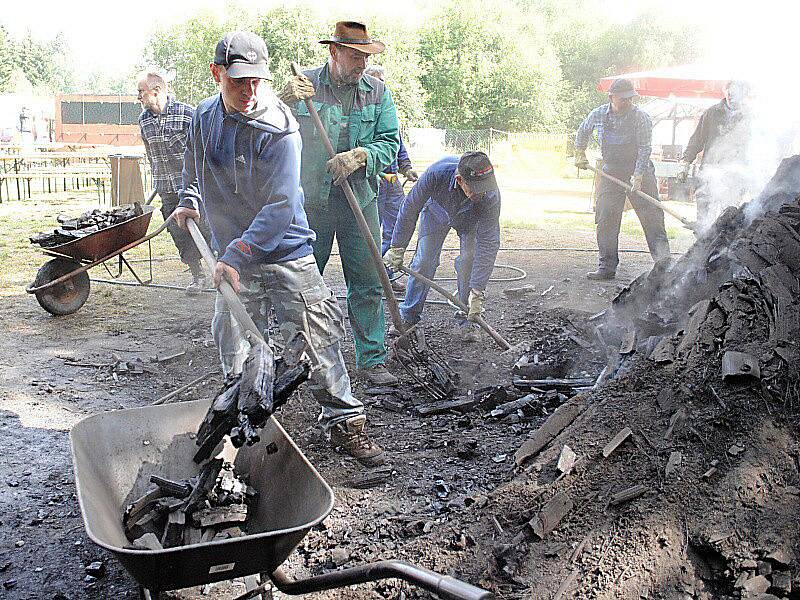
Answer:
(302, 302)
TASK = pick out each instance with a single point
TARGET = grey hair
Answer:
(155, 76)
(376, 71)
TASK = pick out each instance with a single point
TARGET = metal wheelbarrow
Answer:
(62, 284)
(115, 453)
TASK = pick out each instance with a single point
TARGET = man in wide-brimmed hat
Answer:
(625, 133)
(359, 116)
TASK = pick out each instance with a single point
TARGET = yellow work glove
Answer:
(476, 299)
(296, 89)
(345, 163)
(580, 160)
(393, 258)
(636, 183)
(409, 174)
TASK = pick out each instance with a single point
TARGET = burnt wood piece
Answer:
(224, 414)
(463, 404)
(559, 384)
(205, 483)
(627, 495)
(178, 489)
(551, 514)
(555, 424)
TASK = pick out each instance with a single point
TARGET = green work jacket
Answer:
(373, 126)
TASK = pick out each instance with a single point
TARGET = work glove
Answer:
(683, 176)
(476, 299)
(581, 161)
(636, 183)
(393, 258)
(345, 163)
(296, 89)
(409, 174)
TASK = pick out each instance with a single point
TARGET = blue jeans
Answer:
(426, 261)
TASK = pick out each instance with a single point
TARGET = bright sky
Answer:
(106, 35)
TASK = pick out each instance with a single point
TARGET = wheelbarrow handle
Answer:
(657, 203)
(501, 341)
(444, 586)
(231, 297)
(377, 260)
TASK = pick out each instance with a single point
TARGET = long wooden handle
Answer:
(231, 297)
(457, 302)
(657, 203)
(377, 259)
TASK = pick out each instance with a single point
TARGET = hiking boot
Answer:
(351, 437)
(601, 275)
(379, 375)
(198, 279)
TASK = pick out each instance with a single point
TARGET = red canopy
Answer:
(688, 81)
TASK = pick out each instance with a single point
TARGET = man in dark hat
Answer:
(242, 165)
(722, 136)
(624, 132)
(453, 193)
(359, 116)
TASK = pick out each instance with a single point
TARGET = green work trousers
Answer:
(364, 292)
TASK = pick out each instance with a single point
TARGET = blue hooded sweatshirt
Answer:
(245, 170)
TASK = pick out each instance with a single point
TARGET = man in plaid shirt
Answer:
(164, 124)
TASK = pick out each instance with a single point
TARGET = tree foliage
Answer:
(511, 64)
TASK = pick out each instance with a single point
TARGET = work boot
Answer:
(351, 437)
(198, 279)
(601, 275)
(379, 375)
(469, 332)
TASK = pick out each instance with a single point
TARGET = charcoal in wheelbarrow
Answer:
(115, 453)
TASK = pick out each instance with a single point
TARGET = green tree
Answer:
(6, 59)
(481, 73)
(187, 48)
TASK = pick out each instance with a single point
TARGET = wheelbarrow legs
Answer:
(444, 586)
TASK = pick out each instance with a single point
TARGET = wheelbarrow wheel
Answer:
(66, 297)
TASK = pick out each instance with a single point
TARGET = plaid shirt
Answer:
(164, 139)
(633, 126)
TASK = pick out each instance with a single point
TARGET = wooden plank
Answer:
(623, 435)
(463, 404)
(555, 424)
(551, 515)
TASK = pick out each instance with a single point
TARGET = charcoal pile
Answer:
(679, 475)
(89, 222)
(216, 503)
(212, 506)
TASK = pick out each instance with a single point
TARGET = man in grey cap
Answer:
(242, 165)
(624, 132)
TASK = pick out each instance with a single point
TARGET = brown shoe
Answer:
(379, 375)
(352, 438)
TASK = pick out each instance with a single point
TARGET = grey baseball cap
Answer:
(243, 54)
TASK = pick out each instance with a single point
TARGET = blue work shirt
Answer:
(245, 170)
(625, 138)
(447, 206)
(401, 161)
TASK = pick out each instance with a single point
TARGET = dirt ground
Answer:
(434, 511)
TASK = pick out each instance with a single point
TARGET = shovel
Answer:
(456, 301)
(423, 365)
(657, 203)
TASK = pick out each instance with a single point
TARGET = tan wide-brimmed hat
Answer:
(354, 35)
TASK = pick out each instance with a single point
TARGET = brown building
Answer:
(85, 119)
